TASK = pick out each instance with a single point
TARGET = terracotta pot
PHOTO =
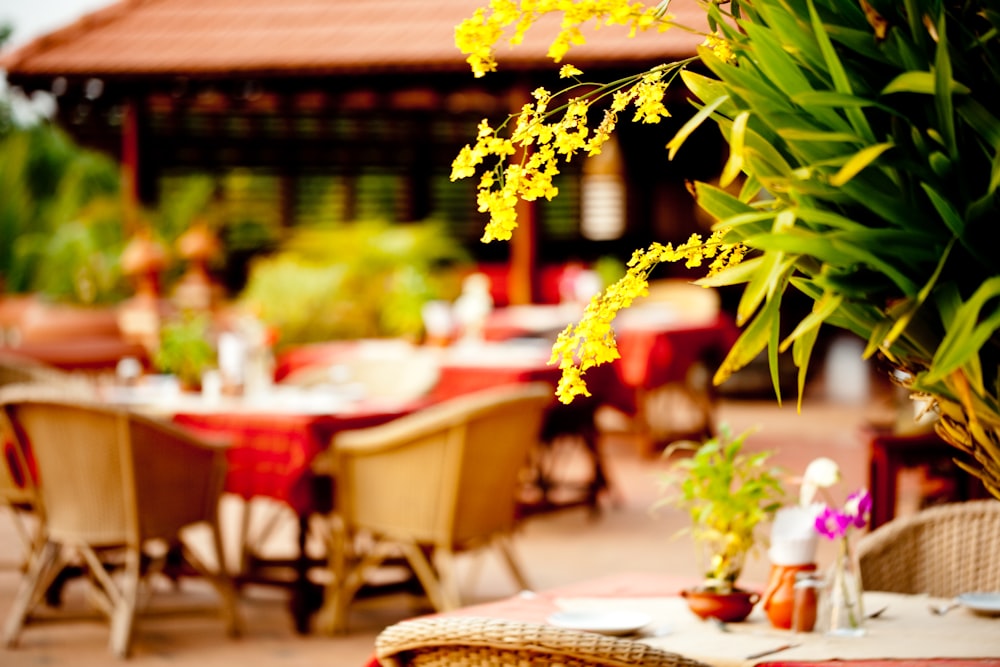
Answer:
(727, 607)
(778, 600)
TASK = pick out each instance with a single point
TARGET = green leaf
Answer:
(781, 71)
(948, 214)
(829, 218)
(732, 275)
(737, 136)
(829, 98)
(831, 249)
(857, 162)
(942, 89)
(841, 81)
(793, 134)
(801, 354)
(751, 342)
(979, 119)
(762, 285)
(965, 335)
(913, 305)
(718, 203)
(923, 83)
(693, 124)
(822, 309)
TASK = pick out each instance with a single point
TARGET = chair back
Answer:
(109, 477)
(468, 641)
(941, 551)
(390, 370)
(447, 474)
(80, 462)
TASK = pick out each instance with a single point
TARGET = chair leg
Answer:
(123, 618)
(506, 549)
(221, 582)
(346, 579)
(425, 574)
(43, 566)
(444, 563)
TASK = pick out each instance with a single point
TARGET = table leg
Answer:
(306, 597)
(882, 476)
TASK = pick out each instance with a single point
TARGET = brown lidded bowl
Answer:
(727, 607)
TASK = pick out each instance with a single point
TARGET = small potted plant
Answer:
(186, 349)
(727, 493)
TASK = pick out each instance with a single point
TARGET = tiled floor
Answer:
(555, 549)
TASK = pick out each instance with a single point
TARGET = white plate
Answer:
(981, 603)
(607, 622)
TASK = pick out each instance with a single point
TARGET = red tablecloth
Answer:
(656, 348)
(657, 355)
(271, 453)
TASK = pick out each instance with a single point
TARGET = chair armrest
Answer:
(434, 419)
(179, 476)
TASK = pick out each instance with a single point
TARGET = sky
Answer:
(32, 18)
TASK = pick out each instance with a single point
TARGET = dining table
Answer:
(905, 633)
(276, 438)
(473, 364)
(661, 349)
(273, 439)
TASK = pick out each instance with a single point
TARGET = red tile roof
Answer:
(142, 38)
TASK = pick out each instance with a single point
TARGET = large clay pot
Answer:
(778, 600)
(727, 607)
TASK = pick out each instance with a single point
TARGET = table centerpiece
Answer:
(727, 492)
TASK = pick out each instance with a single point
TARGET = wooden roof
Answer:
(142, 39)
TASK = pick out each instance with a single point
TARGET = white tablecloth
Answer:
(906, 629)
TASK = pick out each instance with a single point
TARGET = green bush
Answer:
(361, 280)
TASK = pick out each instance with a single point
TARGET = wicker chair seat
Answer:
(469, 641)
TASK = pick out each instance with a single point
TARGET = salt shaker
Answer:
(807, 590)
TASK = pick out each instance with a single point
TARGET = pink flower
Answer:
(858, 507)
(831, 523)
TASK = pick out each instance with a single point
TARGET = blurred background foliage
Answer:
(60, 217)
(64, 225)
(359, 280)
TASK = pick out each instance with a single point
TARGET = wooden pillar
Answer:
(130, 164)
(521, 280)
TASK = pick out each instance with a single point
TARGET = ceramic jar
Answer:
(778, 599)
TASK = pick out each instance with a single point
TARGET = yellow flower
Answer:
(720, 47)
(568, 72)
(544, 136)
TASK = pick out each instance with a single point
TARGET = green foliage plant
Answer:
(61, 231)
(186, 349)
(863, 148)
(727, 492)
(366, 279)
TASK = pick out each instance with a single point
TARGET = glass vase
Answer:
(842, 611)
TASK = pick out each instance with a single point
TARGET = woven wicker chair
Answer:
(18, 494)
(434, 482)
(467, 641)
(111, 484)
(942, 551)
